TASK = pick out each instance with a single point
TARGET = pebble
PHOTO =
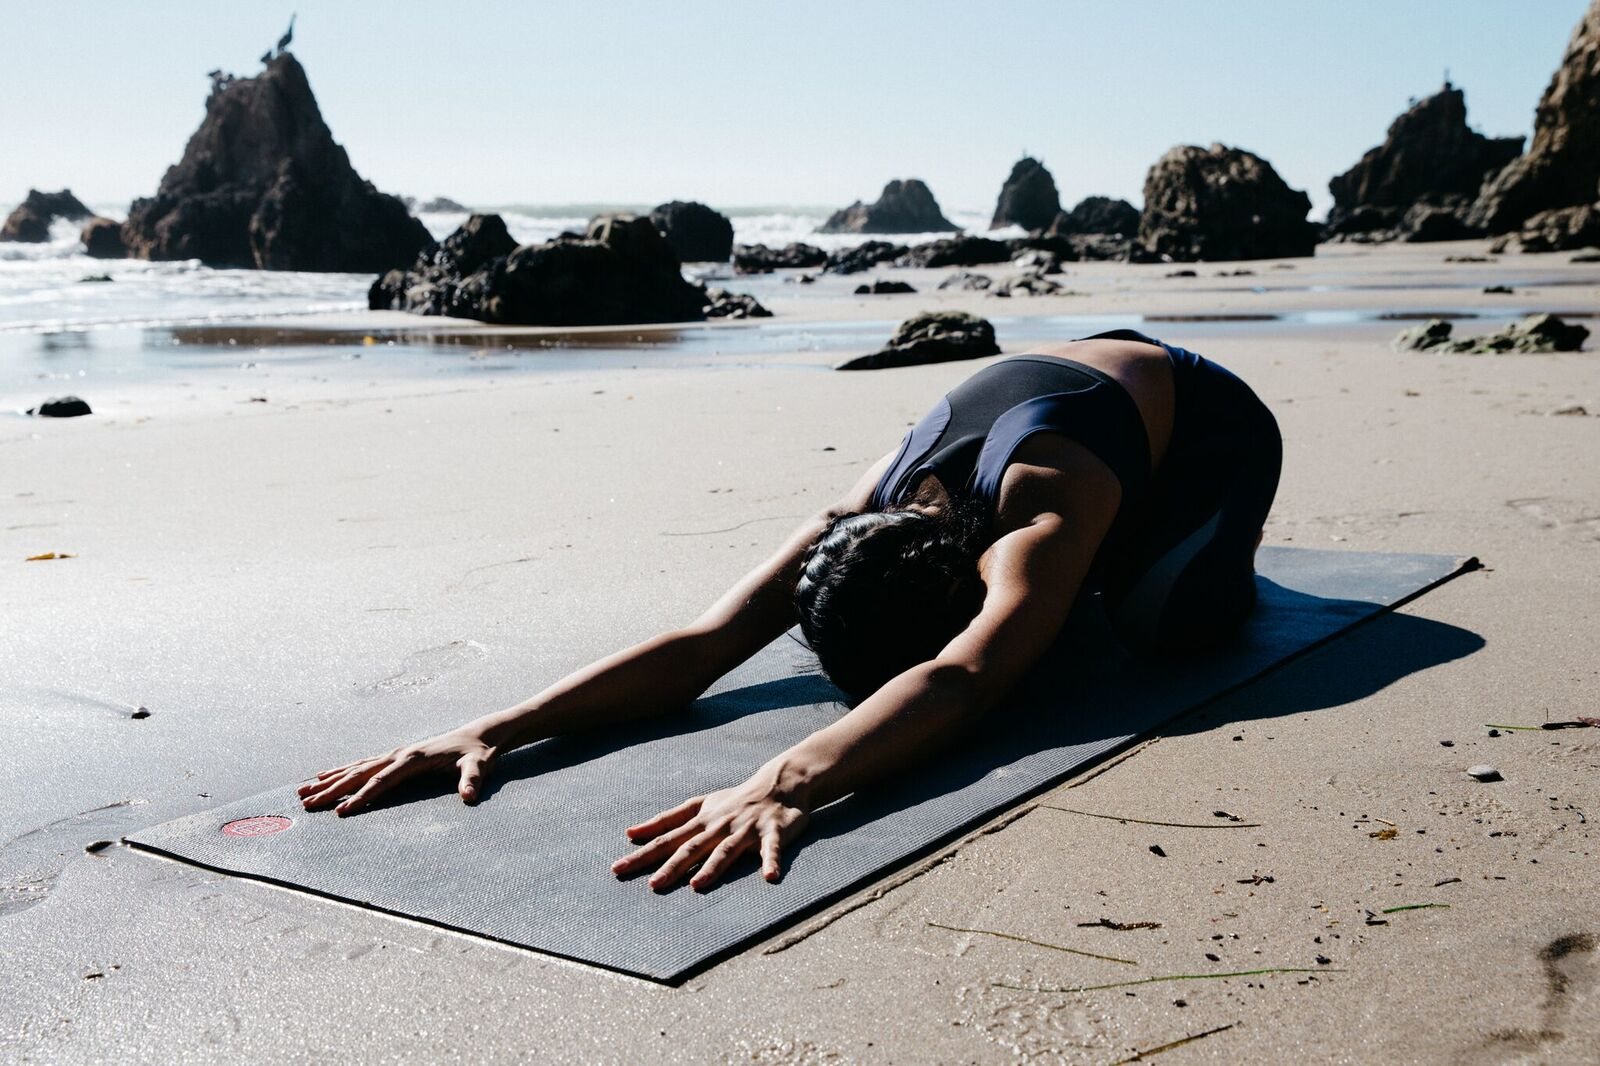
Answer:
(1155, 849)
(1484, 772)
(1447, 743)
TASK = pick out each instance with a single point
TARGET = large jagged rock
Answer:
(102, 239)
(696, 233)
(29, 222)
(436, 283)
(1096, 214)
(931, 337)
(1562, 165)
(904, 207)
(1222, 203)
(759, 259)
(262, 183)
(1559, 230)
(1429, 156)
(1536, 333)
(621, 271)
(1028, 198)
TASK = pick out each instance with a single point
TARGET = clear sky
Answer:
(737, 104)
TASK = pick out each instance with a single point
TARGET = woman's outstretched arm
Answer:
(659, 675)
(1031, 581)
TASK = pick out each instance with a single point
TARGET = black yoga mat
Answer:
(530, 864)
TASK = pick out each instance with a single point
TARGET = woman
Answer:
(1114, 465)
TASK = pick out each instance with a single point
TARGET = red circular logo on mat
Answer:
(262, 825)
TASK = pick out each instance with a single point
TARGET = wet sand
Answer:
(362, 559)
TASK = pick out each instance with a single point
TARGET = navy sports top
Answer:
(967, 440)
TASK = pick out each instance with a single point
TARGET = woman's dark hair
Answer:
(881, 591)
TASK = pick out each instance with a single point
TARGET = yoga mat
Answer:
(530, 864)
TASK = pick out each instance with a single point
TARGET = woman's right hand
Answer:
(355, 785)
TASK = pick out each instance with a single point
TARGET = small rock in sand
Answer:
(1572, 409)
(61, 407)
(1484, 772)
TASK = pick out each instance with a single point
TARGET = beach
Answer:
(297, 540)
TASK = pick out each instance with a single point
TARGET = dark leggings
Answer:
(1184, 579)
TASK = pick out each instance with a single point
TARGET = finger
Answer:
(721, 857)
(336, 788)
(654, 852)
(474, 772)
(684, 859)
(771, 859)
(664, 821)
(383, 781)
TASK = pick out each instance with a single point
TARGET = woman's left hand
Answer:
(713, 831)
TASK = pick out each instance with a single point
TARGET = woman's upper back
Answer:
(1110, 397)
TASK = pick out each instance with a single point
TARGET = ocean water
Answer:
(54, 287)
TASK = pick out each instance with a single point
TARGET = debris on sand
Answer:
(1030, 940)
(1121, 927)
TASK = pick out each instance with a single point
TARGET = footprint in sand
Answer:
(1570, 517)
(422, 668)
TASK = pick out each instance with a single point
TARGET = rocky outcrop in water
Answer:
(1097, 214)
(1536, 333)
(1222, 203)
(437, 205)
(1559, 230)
(262, 183)
(1562, 164)
(932, 337)
(29, 222)
(440, 281)
(904, 206)
(759, 259)
(863, 257)
(956, 251)
(1028, 198)
(696, 233)
(620, 272)
(1430, 156)
(102, 239)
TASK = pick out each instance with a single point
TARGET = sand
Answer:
(358, 562)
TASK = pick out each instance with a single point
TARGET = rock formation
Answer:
(438, 204)
(1557, 230)
(29, 222)
(1028, 198)
(759, 259)
(720, 303)
(1222, 203)
(1536, 333)
(956, 251)
(884, 288)
(863, 256)
(1097, 214)
(1562, 165)
(696, 233)
(262, 183)
(1429, 156)
(904, 207)
(620, 272)
(102, 239)
(437, 283)
(931, 337)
